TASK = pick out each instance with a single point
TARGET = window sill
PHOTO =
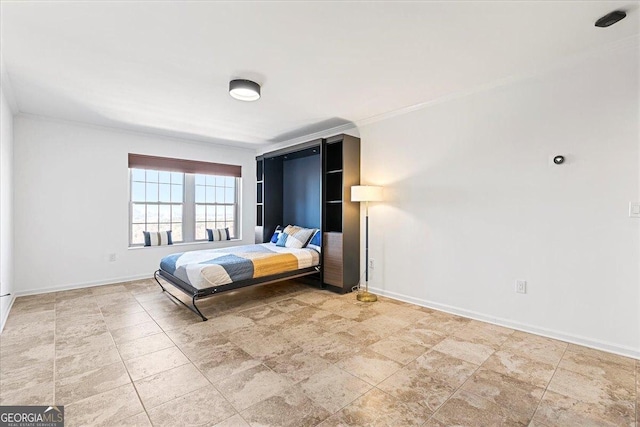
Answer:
(181, 244)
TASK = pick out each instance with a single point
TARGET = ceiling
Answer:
(164, 67)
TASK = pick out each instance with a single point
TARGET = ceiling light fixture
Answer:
(610, 18)
(244, 90)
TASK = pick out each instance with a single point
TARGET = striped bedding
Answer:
(215, 267)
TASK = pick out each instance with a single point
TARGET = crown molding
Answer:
(632, 42)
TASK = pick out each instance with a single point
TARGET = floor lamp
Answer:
(366, 193)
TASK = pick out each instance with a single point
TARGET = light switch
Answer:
(634, 210)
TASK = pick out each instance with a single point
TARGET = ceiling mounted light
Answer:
(610, 18)
(244, 90)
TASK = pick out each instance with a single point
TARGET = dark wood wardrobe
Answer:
(309, 184)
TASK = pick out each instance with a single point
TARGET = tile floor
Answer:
(288, 354)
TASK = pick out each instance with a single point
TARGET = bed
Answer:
(201, 274)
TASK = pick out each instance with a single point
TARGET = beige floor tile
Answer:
(142, 346)
(168, 385)
(29, 324)
(140, 420)
(385, 323)
(117, 321)
(109, 289)
(447, 369)
(334, 388)
(130, 306)
(377, 408)
(76, 387)
(198, 348)
(33, 304)
(412, 384)
(154, 363)
(442, 323)
(248, 387)
(38, 350)
(77, 307)
(361, 335)
(104, 409)
(472, 352)
(77, 345)
(177, 320)
(467, 409)
(558, 410)
(519, 398)
(235, 421)
(288, 305)
(266, 346)
(483, 333)
(70, 328)
(520, 367)
(601, 355)
(315, 297)
(534, 347)
(262, 313)
(222, 361)
(297, 365)
(288, 408)
(591, 390)
(598, 367)
(72, 294)
(202, 407)
(194, 332)
(40, 394)
(331, 347)
(369, 366)
(420, 335)
(130, 333)
(231, 322)
(398, 349)
(79, 363)
(25, 376)
(302, 333)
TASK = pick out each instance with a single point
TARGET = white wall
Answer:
(6, 207)
(473, 203)
(72, 202)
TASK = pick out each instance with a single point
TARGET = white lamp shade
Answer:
(366, 193)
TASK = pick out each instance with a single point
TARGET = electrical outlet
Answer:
(634, 210)
(521, 286)
(372, 264)
(112, 257)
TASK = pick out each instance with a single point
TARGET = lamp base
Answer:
(366, 297)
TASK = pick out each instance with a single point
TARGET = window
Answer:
(183, 196)
(157, 199)
(215, 204)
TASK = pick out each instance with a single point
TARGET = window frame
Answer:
(236, 205)
(158, 203)
(188, 204)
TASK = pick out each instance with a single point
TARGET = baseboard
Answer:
(5, 315)
(549, 333)
(81, 285)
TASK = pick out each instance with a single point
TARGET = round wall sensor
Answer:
(558, 160)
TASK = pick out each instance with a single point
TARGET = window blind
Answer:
(141, 161)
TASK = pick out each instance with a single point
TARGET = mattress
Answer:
(216, 267)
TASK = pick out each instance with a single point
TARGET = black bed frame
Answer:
(197, 294)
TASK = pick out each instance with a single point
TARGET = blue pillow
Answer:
(217, 234)
(316, 240)
(157, 238)
(276, 234)
(282, 240)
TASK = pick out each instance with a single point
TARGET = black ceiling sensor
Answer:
(610, 18)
